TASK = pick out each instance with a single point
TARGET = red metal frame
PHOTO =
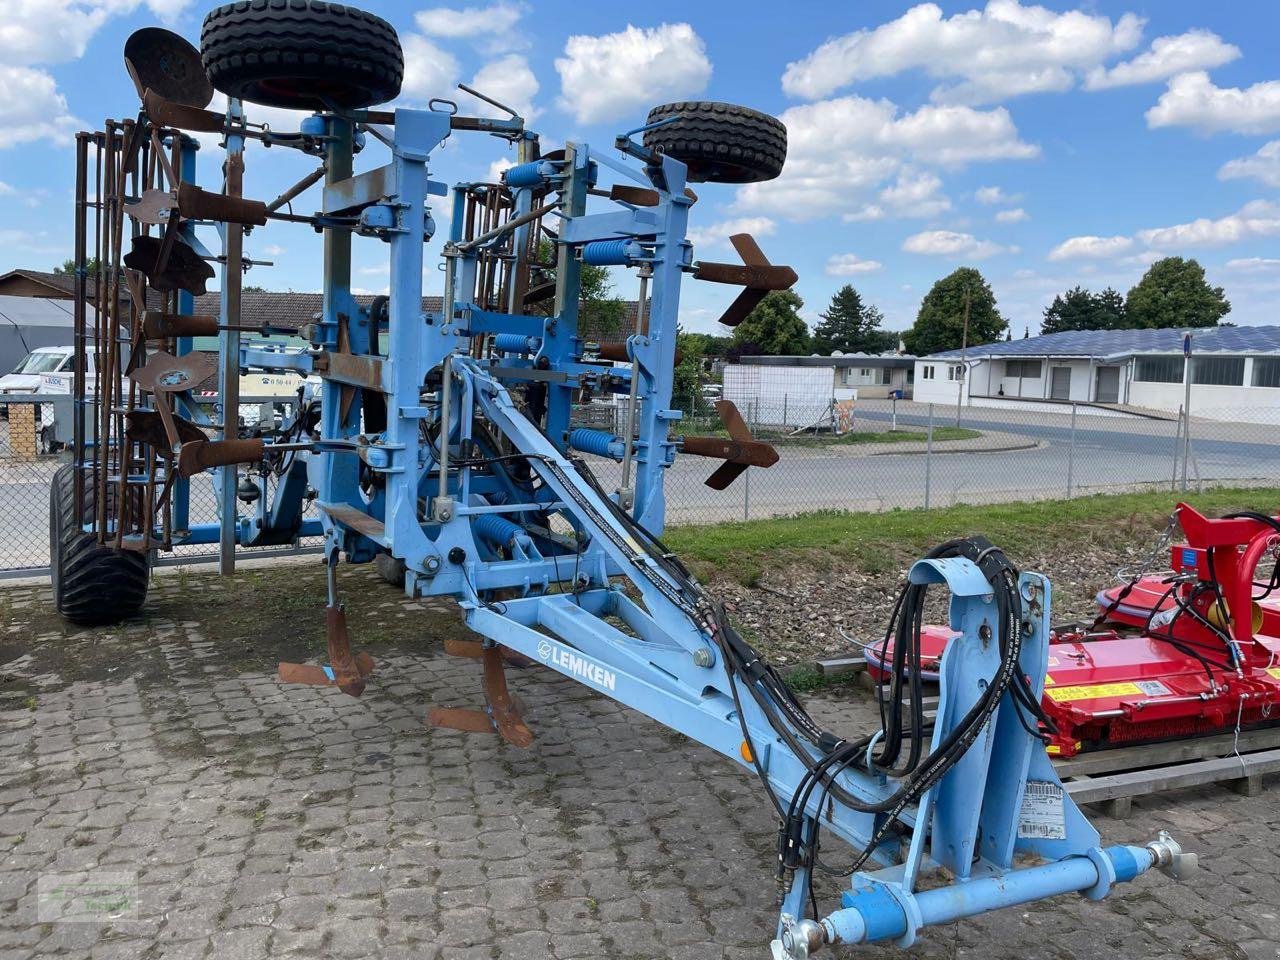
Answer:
(1119, 686)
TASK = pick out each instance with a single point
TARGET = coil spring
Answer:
(516, 343)
(592, 441)
(496, 530)
(611, 253)
(526, 174)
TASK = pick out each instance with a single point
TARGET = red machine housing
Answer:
(1176, 661)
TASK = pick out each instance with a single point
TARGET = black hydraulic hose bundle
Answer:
(902, 754)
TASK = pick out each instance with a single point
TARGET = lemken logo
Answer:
(577, 665)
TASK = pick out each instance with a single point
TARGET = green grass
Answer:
(899, 436)
(807, 678)
(874, 542)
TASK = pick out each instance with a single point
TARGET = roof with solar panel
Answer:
(1118, 344)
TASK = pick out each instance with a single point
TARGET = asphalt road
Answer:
(1108, 454)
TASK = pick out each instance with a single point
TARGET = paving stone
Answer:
(294, 822)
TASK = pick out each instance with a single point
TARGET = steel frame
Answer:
(475, 468)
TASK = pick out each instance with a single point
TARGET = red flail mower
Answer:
(1190, 653)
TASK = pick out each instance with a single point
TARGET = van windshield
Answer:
(40, 363)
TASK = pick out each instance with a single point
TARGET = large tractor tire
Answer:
(301, 54)
(92, 584)
(719, 142)
(390, 569)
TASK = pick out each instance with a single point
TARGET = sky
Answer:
(1047, 145)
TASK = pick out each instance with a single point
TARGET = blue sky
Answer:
(1048, 145)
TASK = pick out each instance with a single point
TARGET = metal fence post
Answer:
(746, 494)
(928, 459)
(784, 411)
(1186, 438)
(1071, 454)
(1177, 446)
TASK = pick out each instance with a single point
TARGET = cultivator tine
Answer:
(474, 650)
(315, 675)
(197, 204)
(167, 113)
(349, 678)
(345, 670)
(740, 451)
(755, 273)
(502, 713)
(642, 196)
(198, 456)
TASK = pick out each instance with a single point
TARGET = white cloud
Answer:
(606, 77)
(718, 234)
(1016, 215)
(273, 250)
(508, 80)
(1193, 50)
(429, 71)
(992, 195)
(1193, 100)
(1000, 51)
(31, 108)
(1143, 258)
(915, 195)
(948, 243)
(840, 150)
(1263, 166)
(1258, 218)
(849, 265)
(1254, 265)
(471, 21)
(56, 31)
(1088, 248)
(6, 189)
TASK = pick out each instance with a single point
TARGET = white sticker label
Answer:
(1153, 688)
(1042, 816)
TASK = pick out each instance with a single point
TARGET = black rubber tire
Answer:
(92, 584)
(301, 54)
(720, 142)
(390, 569)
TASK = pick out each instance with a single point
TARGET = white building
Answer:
(797, 391)
(1234, 371)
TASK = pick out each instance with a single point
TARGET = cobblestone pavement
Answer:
(265, 821)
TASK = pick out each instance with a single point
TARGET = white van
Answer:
(42, 369)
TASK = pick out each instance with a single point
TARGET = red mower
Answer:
(1168, 657)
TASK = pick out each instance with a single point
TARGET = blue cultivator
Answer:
(445, 440)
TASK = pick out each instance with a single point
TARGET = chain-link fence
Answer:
(881, 454)
(32, 440)
(876, 455)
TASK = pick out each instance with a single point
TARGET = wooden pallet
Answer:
(1113, 778)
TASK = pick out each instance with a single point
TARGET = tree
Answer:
(599, 312)
(687, 381)
(1174, 293)
(773, 328)
(69, 267)
(851, 326)
(1080, 309)
(940, 323)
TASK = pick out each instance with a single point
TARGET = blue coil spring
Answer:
(494, 529)
(606, 253)
(526, 174)
(592, 441)
(516, 343)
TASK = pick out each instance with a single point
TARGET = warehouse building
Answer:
(1234, 372)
